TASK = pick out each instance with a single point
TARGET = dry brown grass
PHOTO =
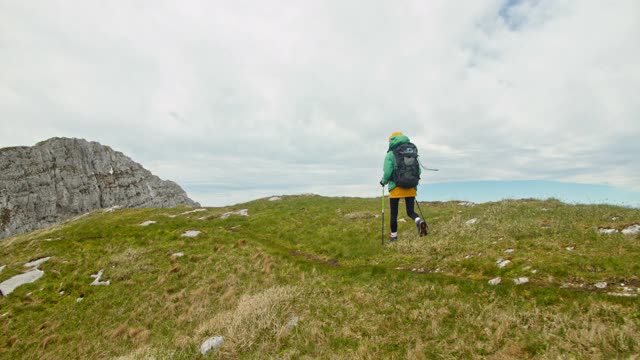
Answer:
(262, 314)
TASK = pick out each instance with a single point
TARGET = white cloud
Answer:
(303, 96)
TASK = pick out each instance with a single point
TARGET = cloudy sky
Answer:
(236, 100)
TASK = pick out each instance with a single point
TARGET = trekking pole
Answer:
(382, 237)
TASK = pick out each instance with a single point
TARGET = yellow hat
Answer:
(396, 133)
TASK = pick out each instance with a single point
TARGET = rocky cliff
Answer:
(61, 178)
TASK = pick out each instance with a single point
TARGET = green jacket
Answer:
(390, 161)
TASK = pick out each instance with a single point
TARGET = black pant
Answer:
(394, 202)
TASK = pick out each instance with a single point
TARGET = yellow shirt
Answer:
(400, 192)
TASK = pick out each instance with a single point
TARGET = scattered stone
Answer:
(544, 209)
(607, 231)
(7, 286)
(112, 209)
(177, 255)
(61, 292)
(472, 221)
(79, 299)
(502, 263)
(147, 223)
(243, 212)
(615, 218)
(622, 294)
(632, 230)
(188, 212)
(534, 271)
(495, 281)
(293, 322)
(571, 248)
(601, 285)
(36, 263)
(528, 267)
(466, 203)
(211, 344)
(402, 220)
(97, 281)
(468, 256)
(5, 314)
(275, 198)
(191, 233)
(509, 250)
(2, 267)
(521, 280)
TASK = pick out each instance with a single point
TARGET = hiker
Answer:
(408, 175)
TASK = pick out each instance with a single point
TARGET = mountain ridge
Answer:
(60, 178)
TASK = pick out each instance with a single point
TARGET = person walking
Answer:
(402, 174)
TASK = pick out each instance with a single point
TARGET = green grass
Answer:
(320, 260)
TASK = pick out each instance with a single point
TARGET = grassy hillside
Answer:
(307, 277)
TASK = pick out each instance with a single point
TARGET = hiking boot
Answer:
(423, 229)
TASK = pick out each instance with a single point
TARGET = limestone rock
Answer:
(211, 344)
(7, 286)
(242, 212)
(62, 178)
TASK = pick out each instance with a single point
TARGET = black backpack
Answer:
(407, 172)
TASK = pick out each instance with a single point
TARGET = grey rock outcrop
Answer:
(61, 178)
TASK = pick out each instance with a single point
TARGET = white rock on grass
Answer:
(113, 208)
(472, 221)
(242, 212)
(79, 299)
(211, 344)
(293, 322)
(191, 233)
(402, 220)
(2, 267)
(502, 263)
(607, 231)
(147, 223)
(632, 230)
(601, 285)
(36, 263)
(97, 281)
(188, 212)
(622, 294)
(521, 280)
(509, 250)
(177, 255)
(275, 198)
(495, 281)
(7, 286)
(570, 248)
